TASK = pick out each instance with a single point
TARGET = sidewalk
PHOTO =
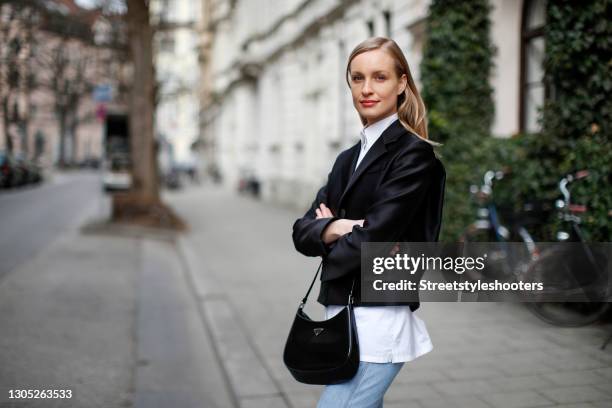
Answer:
(250, 279)
(110, 316)
(67, 320)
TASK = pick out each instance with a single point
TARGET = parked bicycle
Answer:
(516, 246)
(518, 257)
(567, 268)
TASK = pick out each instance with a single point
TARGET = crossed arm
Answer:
(314, 233)
(336, 228)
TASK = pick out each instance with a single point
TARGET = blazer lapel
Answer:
(378, 149)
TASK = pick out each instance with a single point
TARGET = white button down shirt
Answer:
(387, 334)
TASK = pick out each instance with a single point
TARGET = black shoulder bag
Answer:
(323, 352)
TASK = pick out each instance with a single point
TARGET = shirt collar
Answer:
(371, 133)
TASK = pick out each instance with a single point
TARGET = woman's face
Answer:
(375, 85)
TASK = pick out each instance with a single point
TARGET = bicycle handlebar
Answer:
(568, 179)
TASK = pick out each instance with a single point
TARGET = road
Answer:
(32, 217)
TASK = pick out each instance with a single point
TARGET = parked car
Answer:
(117, 176)
(90, 163)
(6, 170)
(32, 173)
(172, 179)
(36, 172)
(15, 171)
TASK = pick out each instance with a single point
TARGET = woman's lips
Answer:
(368, 104)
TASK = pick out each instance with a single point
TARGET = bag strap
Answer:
(350, 299)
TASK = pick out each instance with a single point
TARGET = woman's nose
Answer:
(366, 90)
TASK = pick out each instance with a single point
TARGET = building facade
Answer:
(278, 106)
(176, 63)
(63, 54)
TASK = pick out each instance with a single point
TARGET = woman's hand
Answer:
(323, 211)
(337, 228)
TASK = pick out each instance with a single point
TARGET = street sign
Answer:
(103, 93)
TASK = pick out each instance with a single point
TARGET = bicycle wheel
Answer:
(554, 270)
(569, 314)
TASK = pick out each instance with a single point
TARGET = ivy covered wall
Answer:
(576, 118)
(455, 70)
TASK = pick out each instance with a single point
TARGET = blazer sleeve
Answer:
(307, 230)
(396, 203)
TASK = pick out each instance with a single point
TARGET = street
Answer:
(34, 216)
(124, 317)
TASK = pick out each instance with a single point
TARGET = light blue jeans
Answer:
(365, 390)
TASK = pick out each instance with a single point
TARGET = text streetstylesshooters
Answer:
(455, 286)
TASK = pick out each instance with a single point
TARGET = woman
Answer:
(389, 187)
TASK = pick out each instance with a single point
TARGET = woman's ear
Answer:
(403, 84)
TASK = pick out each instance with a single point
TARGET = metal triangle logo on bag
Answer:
(318, 330)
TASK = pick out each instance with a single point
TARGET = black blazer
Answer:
(398, 189)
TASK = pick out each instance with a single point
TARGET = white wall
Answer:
(177, 69)
(290, 125)
(505, 78)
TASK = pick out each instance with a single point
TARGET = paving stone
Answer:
(569, 378)
(304, 399)
(575, 363)
(408, 392)
(455, 402)
(397, 404)
(605, 372)
(522, 383)
(517, 399)
(421, 376)
(466, 387)
(263, 402)
(474, 373)
(606, 388)
(579, 393)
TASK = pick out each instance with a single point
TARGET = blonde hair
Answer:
(410, 107)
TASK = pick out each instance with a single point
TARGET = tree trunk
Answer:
(142, 107)
(142, 204)
(61, 121)
(23, 134)
(73, 126)
(5, 125)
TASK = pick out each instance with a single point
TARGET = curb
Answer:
(249, 380)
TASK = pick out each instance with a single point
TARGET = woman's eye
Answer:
(360, 78)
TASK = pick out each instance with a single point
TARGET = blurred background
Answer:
(155, 153)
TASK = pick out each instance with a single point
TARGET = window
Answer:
(166, 42)
(533, 91)
(387, 17)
